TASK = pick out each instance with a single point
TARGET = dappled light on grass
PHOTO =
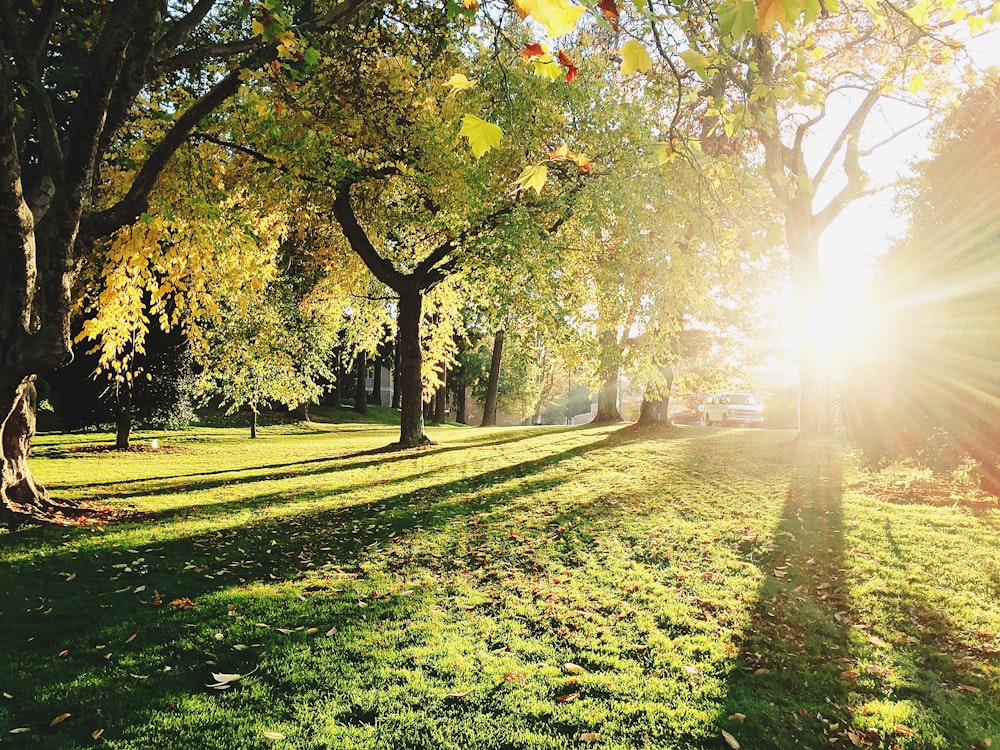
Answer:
(510, 588)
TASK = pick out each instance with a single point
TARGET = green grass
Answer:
(512, 588)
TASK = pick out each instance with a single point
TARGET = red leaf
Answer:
(567, 62)
(610, 11)
(531, 51)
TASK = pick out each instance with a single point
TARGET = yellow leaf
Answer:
(458, 82)
(730, 740)
(482, 135)
(770, 12)
(59, 719)
(546, 67)
(532, 176)
(664, 154)
(274, 735)
(635, 58)
(557, 16)
(694, 59)
(256, 28)
(916, 84)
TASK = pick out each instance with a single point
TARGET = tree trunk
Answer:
(253, 422)
(23, 498)
(375, 397)
(441, 398)
(607, 397)
(411, 417)
(493, 385)
(123, 416)
(652, 411)
(360, 392)
(395, 374)
(807, 285)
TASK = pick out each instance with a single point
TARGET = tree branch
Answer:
(182, 28)
(356, 236)
(137, 199)
(197, 55)
(42, 29)
(850, 132)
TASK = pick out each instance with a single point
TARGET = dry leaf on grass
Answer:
(730, 740)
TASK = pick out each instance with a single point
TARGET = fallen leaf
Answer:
(183, 603)
(64, 652)
(691, 670)
(590, 737)
(59, 719)
(567, 698)
(8, 696)
(571, 668)
(96, 734)
(20, 730)
(331, 631)
(730, 740)
(224, 677)
(849, 674)
(514, 677)
(738, 717)
(274, 735)
(131, 637)
(905, 730)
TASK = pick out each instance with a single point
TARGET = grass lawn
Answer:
(562, 587)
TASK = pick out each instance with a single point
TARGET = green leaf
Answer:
(482, 135)
(737, 17)
(694, 60)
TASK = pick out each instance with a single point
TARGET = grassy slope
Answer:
(434, 599)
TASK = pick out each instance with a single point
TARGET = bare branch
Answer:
(190, 58)
(183, 27)
(850, 132)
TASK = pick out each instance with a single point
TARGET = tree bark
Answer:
(652, 411)
(375, 397)
(411, 417)
(123, 417)
(395, 374)
(441, 398)
(360, 392)
(493, 385)
(22, 496)
(253, 422)
(607, 397)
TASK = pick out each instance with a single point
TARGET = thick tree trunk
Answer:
(123, 416)
(360, 391)
(375, 397)
(461, 405)
(807, 284)
(652, 411)
(22, 496)
(394, 403)
(607, 397)
(411, 417)
(441, 398)
(493, 385)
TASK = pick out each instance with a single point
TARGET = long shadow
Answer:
(110, 609)
(288, 468)
(797, 645)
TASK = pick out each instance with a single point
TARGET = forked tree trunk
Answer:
(123, 416)
(493, 385)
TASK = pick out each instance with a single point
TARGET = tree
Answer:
(936, 394)
(882, 60)
(70, 80)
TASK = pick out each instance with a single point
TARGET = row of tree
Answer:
(263, 171)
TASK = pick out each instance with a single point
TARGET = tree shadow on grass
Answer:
(266, 472)
(106, 633)
(797, 644)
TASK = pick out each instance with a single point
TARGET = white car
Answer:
(732, 408)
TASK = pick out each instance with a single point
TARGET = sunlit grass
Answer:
(520, 588)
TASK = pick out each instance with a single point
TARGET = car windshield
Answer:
(742, 399)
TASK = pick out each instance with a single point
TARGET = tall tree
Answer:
(70, 78)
